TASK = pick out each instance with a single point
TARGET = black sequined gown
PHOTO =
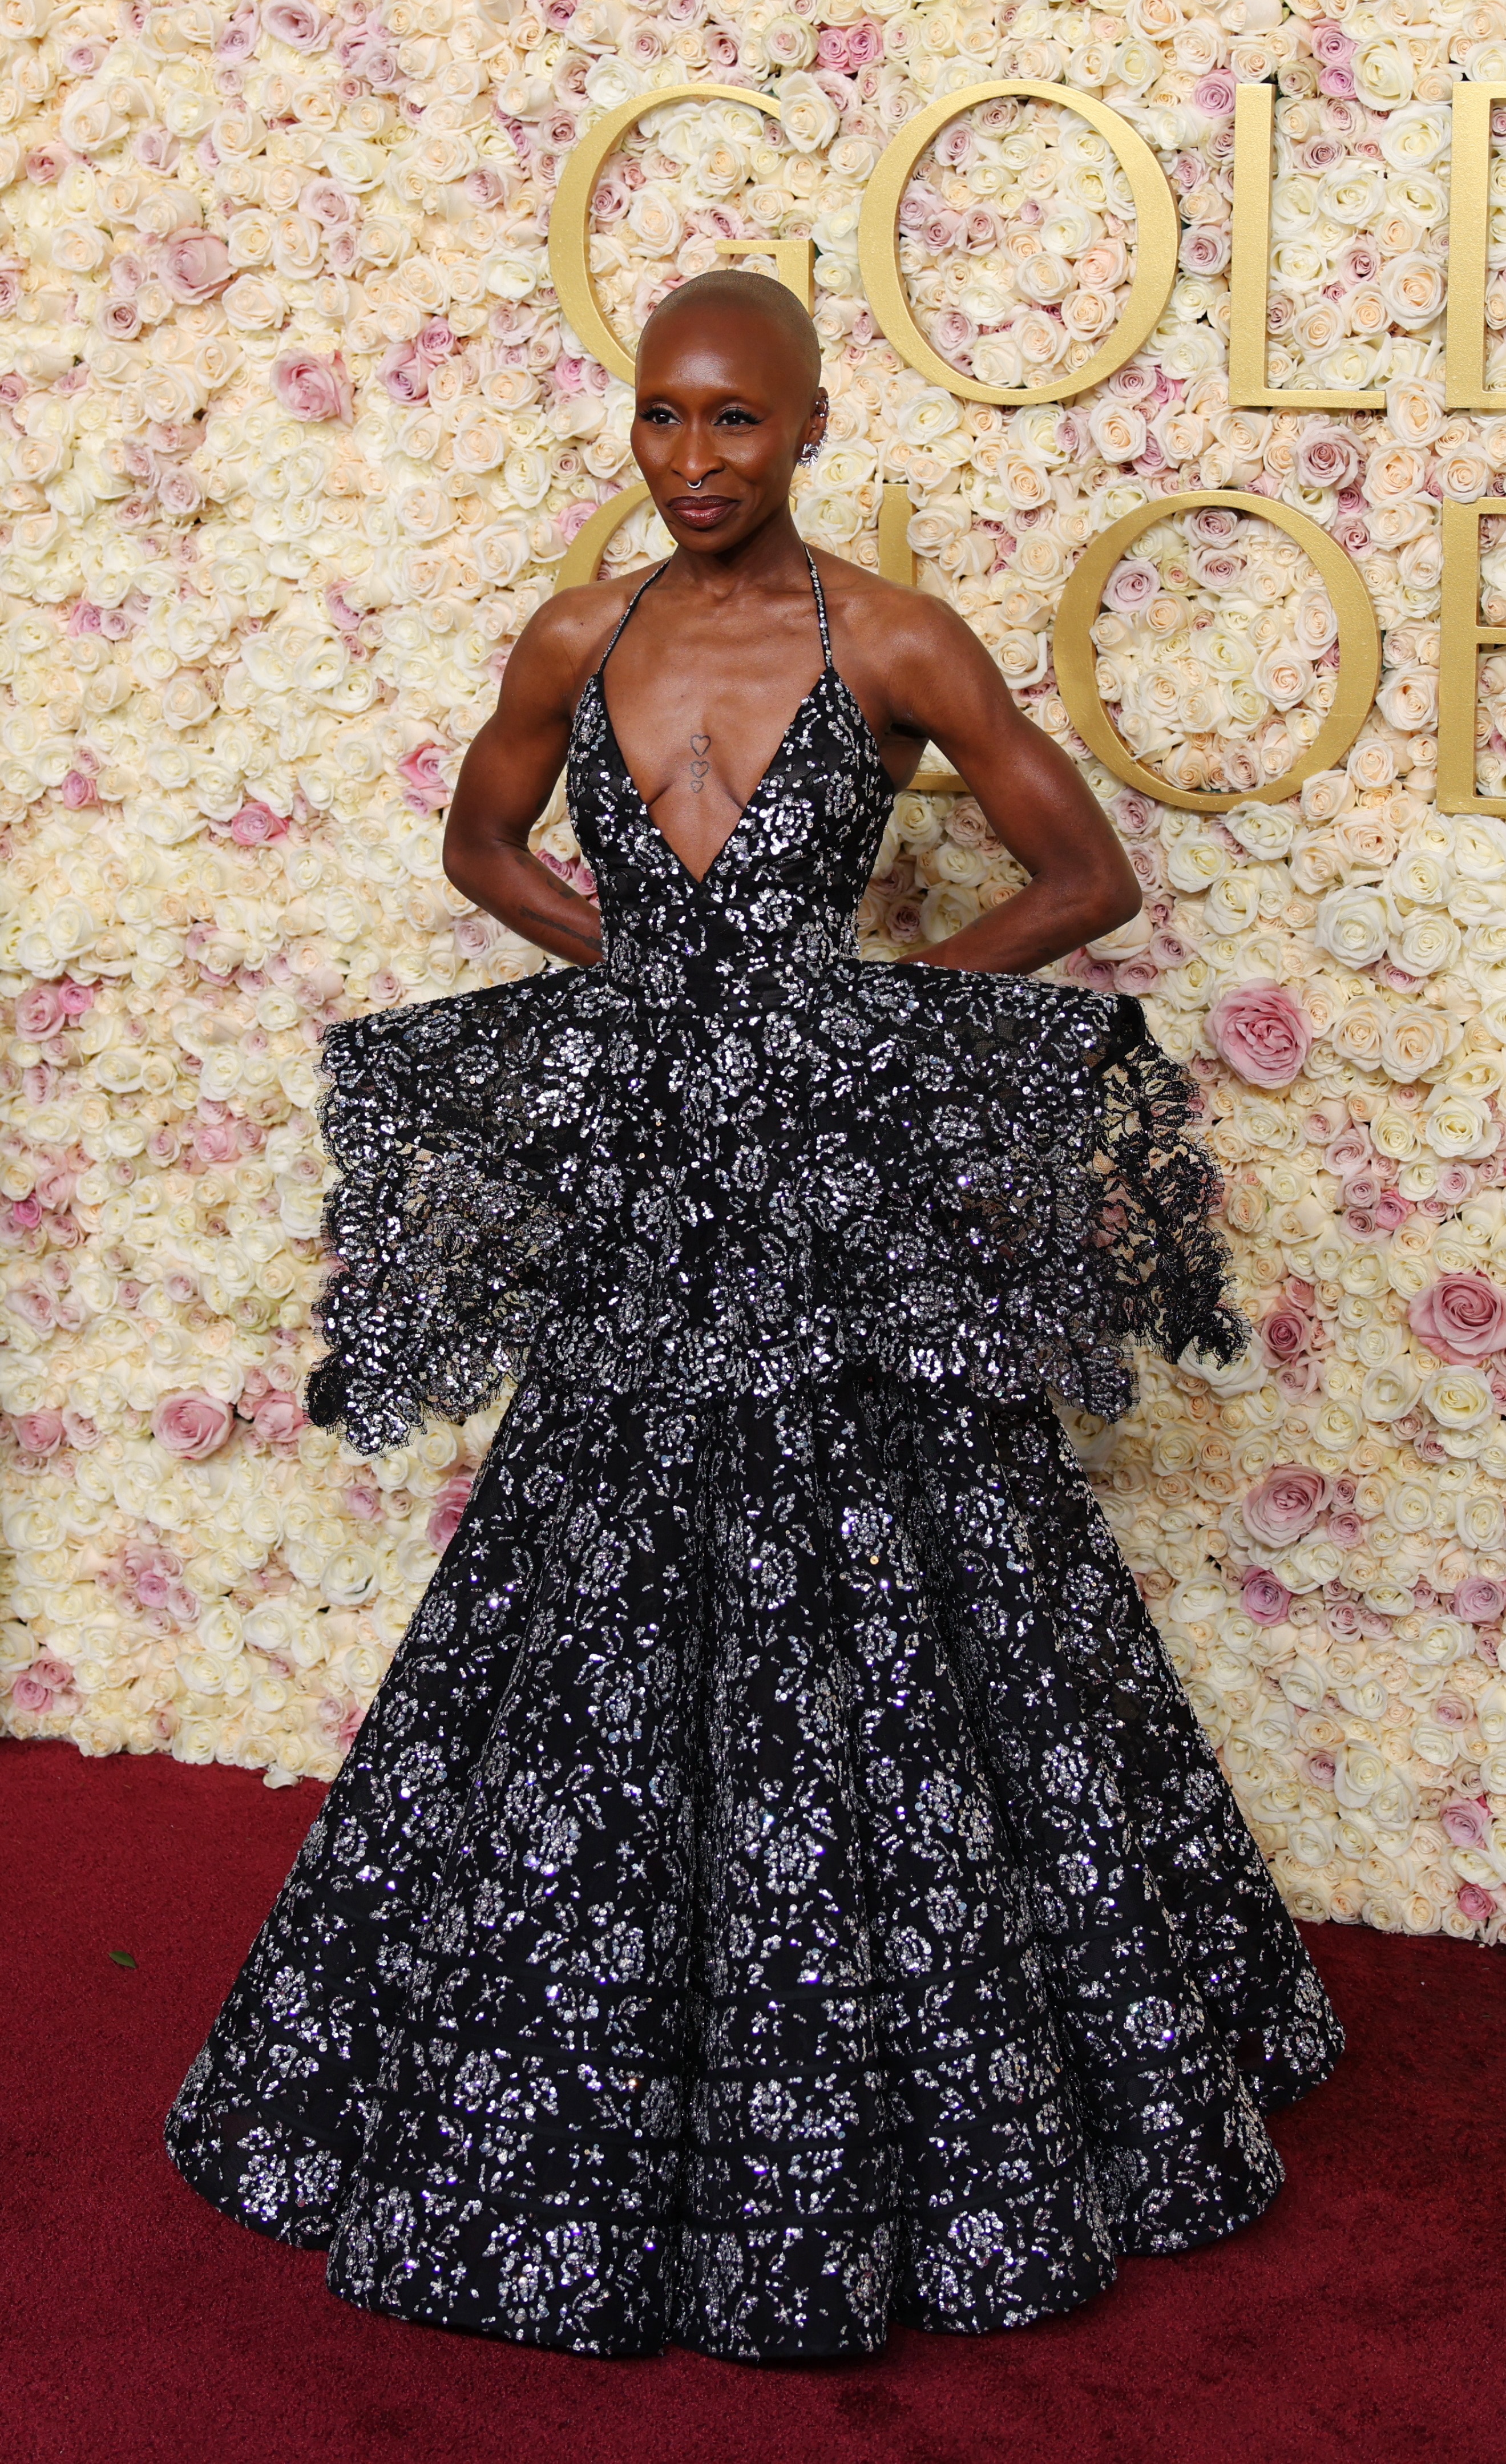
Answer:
(781, 1885)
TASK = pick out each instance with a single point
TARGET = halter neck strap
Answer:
(646, 584)
(821, 610)
(660, 569)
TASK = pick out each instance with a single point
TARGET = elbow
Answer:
(458, 859)
(1111, 906)
(1123, 904)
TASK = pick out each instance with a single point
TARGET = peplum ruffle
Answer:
(696, 1176)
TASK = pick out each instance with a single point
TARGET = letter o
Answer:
(1076, 660)
(1157, 235)
(570, 216)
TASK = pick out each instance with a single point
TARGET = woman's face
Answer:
(723, 411)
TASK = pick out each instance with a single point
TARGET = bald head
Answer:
(712, 299)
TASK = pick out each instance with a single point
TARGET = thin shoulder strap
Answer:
(647, 584)
(821, 610)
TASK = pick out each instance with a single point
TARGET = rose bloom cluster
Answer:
(293, 437)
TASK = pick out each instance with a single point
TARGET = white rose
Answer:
(1459, 1398)
(1353, 926)
(1459, 1125)
(1383, 75)
(807, 116)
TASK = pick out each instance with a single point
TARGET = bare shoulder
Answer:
(563, 640)
(889, 623)
(909, 658)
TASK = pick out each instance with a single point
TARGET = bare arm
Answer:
(508, 776)
(946, 686)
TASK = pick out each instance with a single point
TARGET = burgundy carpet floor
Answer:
(1359, 2322)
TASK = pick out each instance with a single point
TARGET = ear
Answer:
(816, 427)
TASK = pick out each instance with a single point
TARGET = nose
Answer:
(697, 457)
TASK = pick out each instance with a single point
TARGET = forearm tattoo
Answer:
(557, 925)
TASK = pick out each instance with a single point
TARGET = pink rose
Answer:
(39, 1012)
(327, 202)
(1466, 1824)
(1286, 1333)
(450, 1504)
(1474, 1904)
(238, 40)
(194, 266)
(39, 1433)
(405, 372)
(278, 1420)
(1217, 569)
(191, 1425)
(1330, 44)
(310, 387)
(1460, 1318)
(1327, 459)
(1262, 1033)
(1214, 94)
(254, 824)
(79, 790)
(1287, 1503)
(1263, 1598)
(298, 25)
(29, 1693)
(1133, 584)
(216, 1142)
(1478, 1600)
(425, 783)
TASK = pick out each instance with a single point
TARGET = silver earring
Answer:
(808, 452)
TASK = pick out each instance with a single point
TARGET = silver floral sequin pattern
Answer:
(780, 1885)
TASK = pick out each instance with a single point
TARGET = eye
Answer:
(658, 415)
(736, 418)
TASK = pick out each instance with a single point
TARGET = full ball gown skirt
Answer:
(780, 1887)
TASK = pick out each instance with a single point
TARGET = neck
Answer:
(771, 558)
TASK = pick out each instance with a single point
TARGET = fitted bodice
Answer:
(784, 889)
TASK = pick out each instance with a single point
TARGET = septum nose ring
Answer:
(696, 483)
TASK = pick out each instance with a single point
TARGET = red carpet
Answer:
(1357, 2323)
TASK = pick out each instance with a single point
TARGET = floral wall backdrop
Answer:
(294, 440)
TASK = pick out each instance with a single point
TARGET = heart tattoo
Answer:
(699, 767)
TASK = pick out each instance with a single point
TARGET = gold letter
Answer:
(896, 563)
(794, 263)
(1155, 243)
(1469, 243)
(896, 555)
(1460, 636)
(585, 550)
(570, 219)
(1077, 664)
(1250, 270)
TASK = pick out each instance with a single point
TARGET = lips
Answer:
(701, 512)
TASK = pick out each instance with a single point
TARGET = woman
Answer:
(780, 1885)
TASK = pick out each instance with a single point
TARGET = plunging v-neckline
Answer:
(599, 680)
(701, 878)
